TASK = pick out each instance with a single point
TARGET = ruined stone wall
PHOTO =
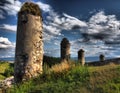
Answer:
(29, 47)
(65, 49)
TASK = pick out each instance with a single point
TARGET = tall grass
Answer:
(61, 67)
(61, 78)
(73, 78)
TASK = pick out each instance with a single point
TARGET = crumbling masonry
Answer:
(102, 58)
(65, 49)
(81, 57)
(29, 43)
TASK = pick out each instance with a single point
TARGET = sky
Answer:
(93, 25)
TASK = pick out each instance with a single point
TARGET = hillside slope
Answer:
(74, 79)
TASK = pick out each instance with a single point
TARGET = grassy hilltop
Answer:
(72, 78)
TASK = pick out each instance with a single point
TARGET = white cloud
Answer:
(8, 27)
(100, 36)
(10, 1)
(5, 43)
(98, 18)
(99, 33)
(100, 30)
(44, 7)
(66, 22)
(7, 48)
(55, 23)
(2, 16)
(52, 30)
(73, 21)
(103, 27)
(12, 8)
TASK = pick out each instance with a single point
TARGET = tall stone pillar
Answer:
(102, 57)
(29, 43)
(65, 49)
(81, 57)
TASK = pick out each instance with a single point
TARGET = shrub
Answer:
(50, 61)
(9, 71)
(78, 74)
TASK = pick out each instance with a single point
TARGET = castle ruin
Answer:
(65, 49)
(102, 58)
(29, 43)
(81, 57)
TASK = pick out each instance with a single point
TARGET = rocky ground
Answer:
(8, 82)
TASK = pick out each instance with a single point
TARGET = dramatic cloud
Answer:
(8, 27)
(66, 22)
(7, 48)
(11, 1)
(44, 7)
(103, 27)
(5, 43)
(55, 23)
(99, 27)
(2, 14)
(72, 22)
(100, 34)
(12, 7)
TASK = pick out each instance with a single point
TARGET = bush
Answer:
(50, 61)
(78, 74)
(9, 71)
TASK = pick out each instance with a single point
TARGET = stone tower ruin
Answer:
(65, 49)
(81, 57)
(29, 43)
(102, 58)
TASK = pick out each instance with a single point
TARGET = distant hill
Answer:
(88, 59)
(7, 59)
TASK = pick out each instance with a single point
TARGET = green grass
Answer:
(78, 79)
(105, 79)
(62, 82)
(4, 66)
(9, 71)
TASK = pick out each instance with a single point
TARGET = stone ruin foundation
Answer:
(81, 57)
(29, 43)
(65, 50)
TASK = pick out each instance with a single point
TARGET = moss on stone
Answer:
(30, 8)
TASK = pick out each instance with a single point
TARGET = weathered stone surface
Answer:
(65, 49)
(8, 82)
(81, 57)
(102, 57)
(29, 47)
